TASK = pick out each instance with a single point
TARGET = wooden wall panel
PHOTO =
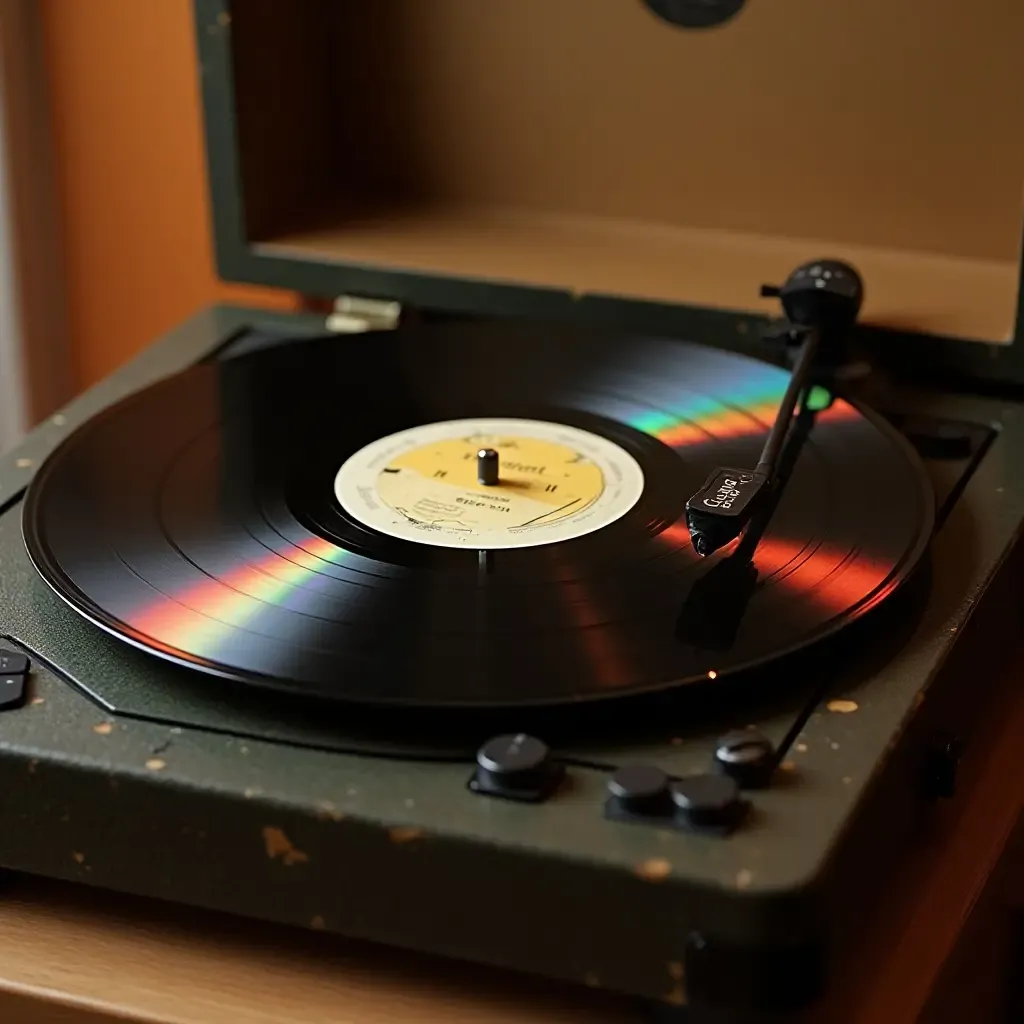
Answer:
(130, 175)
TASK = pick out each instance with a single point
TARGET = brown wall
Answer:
(130, 174)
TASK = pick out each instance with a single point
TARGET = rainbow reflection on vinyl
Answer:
(308, 518)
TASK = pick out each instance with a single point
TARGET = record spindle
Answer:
(487, 467)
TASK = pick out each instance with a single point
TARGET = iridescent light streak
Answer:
(677, 535)
(837, 412)
(609, 667)
(196, 618)
(832, 578)
(752, 407)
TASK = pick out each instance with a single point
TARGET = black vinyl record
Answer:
(301, 517)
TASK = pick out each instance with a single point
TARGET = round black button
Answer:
(518, 761)
(640, 789)
(708, 801)
(13, 663)
(747, 756)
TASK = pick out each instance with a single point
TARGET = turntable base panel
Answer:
(212, 814)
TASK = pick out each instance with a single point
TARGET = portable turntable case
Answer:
(585, 161)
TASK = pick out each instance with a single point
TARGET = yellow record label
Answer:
(555, 482)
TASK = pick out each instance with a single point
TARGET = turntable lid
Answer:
(543, 155)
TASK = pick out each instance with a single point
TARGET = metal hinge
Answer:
(354, 314)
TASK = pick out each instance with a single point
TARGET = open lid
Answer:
(588, 157)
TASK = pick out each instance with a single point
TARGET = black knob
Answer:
(518, 759)
(12, 663)
(825, 293)
(518, 767)
(640, 789)
(709, 801)
(12, 692)
(747, 756)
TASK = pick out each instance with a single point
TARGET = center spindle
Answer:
(487, 466)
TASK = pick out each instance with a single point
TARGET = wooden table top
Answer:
(71, 955)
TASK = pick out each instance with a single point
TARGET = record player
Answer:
(404, 622)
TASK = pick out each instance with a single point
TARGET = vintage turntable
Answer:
(470, 621)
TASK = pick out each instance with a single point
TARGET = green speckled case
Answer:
(125, 772)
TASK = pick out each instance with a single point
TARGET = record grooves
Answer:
(301, 518)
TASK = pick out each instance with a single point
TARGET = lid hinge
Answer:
(354, 314)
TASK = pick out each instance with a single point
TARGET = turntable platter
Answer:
(310, 518)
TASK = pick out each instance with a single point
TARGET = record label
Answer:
(556, 483)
